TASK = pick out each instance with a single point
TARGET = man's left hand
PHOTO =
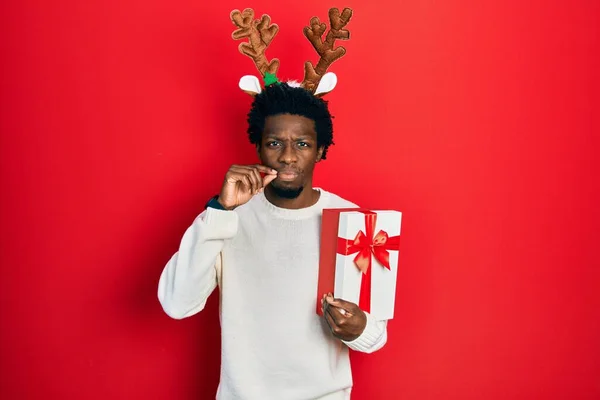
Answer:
(346, 321)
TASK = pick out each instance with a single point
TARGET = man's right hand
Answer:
(242, 182)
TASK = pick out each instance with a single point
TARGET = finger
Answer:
(247, 183)
(330, 322)
(233, 176)
(335, 313)
(240, 178)
(341, 303)
(345, 310)
(324, 306)
(256, 182)
(238, 168)
(257, 178)
(268, 179)
(265, 170)
(253, 175)
(241, 168)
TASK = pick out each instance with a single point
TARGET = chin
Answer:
(287, 190)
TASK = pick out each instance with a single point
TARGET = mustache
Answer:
(287, 169)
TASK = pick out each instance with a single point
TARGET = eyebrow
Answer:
(275, 136)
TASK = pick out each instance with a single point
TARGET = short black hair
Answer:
(281, 98)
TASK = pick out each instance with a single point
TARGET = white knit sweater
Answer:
(265, 261)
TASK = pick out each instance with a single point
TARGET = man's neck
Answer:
(308, 197)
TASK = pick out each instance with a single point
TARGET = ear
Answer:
(326, 84)
(258, 150)
(320, 153)
(250, 84)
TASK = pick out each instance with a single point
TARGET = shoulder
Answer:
(336, 201)
(248, 208)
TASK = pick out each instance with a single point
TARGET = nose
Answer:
(287, 155)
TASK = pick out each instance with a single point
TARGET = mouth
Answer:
(287, 175)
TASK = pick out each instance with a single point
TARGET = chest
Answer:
(274, 250)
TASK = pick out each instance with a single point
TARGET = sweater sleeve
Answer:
(373, 337)
(190, 276)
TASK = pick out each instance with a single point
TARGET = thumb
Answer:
(268, 178)
(341, 303)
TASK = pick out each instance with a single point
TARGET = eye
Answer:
(273, 143)
(303, 144)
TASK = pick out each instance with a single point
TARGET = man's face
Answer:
(289, 145)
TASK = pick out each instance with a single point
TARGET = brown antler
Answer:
(314, 33)
(260, 33)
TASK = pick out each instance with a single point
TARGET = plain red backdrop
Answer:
(477, 119)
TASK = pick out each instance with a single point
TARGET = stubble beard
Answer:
(286, 192)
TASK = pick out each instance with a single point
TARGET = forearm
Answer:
(190, 276)
(372, 338)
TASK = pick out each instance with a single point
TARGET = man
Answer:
(258, 240)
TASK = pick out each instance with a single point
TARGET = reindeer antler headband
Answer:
(260, 33)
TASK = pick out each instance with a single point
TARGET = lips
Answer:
(287, 175)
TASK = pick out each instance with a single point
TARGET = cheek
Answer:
(263, 154)
(309, 163)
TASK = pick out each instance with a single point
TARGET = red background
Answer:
(478, 120)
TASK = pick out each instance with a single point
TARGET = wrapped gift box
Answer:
(359, 258)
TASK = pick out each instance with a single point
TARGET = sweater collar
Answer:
(301, 213)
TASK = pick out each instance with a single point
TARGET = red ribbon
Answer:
(367, 244)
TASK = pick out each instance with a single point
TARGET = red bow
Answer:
(367, 244)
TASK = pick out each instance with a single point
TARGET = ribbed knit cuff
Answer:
(219, 224)
(373, 337)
